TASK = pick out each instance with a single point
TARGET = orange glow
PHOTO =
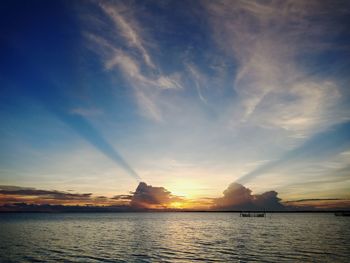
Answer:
(37, 200)
(176, 205)
(94, 201)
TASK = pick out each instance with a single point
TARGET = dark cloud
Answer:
(25, 207)
(313, 200)
(122, 197)
(238, 197)
(235, 198)
(235, 195)
(319, 203)
(268, 201)
(147, 196)
(101, 197)
(43, 194)
(16, 194)
(13, 188)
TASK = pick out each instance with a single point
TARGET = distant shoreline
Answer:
(187, 211)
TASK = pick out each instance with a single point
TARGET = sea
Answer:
(173, 237)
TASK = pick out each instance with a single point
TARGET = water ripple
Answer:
(173, 237)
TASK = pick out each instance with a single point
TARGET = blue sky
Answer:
(192, 96)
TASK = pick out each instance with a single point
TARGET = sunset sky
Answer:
(98, 96)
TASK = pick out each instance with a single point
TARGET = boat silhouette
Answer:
(252, 214)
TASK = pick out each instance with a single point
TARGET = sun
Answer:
(176, 205)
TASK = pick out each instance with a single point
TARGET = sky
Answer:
(191, 97)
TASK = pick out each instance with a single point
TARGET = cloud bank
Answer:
(16, 194)
(236, 197)
(147, 197)
(144, 197)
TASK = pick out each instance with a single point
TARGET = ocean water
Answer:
(173, 237)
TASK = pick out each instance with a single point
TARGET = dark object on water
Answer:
(252, 214)
(342, 213)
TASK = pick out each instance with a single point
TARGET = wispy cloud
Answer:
(142, 75)
(128, 28)
(199, 81)
(268, 41)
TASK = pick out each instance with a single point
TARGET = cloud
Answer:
(238, 197)
(267, 43)
(268, 200)
(122, 197)
(131, 70)
(313, 200)
(147, 88)
(128, 28)
(199, 80)
(16, 190)
(319, 203)
(235, 197)
(147, 196)
(144, 77)
(16, 193)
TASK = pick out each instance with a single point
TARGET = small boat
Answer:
(252, 214)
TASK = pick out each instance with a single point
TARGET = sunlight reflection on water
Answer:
(173, 237)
